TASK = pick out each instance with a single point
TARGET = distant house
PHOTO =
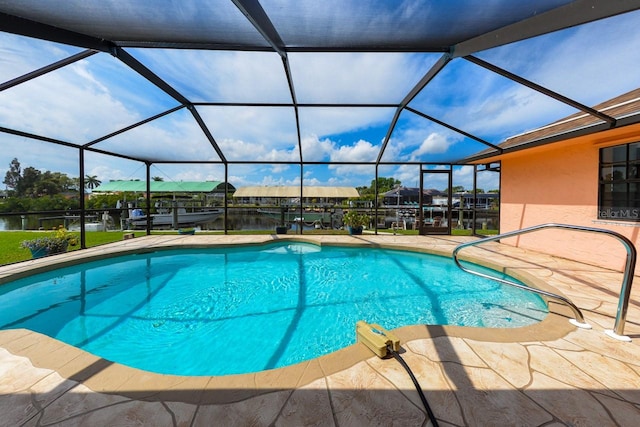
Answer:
(586, 180)
(480, 201)
(284, 195)
(403, 196)
(209, 189)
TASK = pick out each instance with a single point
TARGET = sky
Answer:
(98, 95)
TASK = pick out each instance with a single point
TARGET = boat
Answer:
(92, 222)
(317, 218)
(166, 217)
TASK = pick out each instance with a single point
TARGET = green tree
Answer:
(103, 201)
(13, 175)
(382, 185)
(46, 185)
(64, 182)
(455, 189)
(157, 178)
(54, 202)
(27, 185)
(31, 189)
(91, 182)
(15, 204)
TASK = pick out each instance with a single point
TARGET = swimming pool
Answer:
(219, 311)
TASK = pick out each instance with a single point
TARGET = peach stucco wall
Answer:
(559, 183)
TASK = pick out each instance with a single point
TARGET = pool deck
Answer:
(548, 374)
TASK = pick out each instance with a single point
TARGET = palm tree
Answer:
(91, 181)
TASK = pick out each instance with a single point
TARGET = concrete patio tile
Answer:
(553, 364)
(598, 317)
(130, 413)
(488, 400)
(572, 405)
(312, 371)
(23, 342)
(229, 389)
(190, 390)
(9, 335)
(560, 344)
(50, 388)
(308, 406)
(182, 413)
(362, 397)
(298, 375)
(18, 374)
(446, 349)
(82, 366)
(17, 408)
(596, 340)
(56, 359)
(32, 422)
(509, 360)
(45, 352)
(110, 378)
(258, 411)
(629, 352)
(608, 371)
(432, 380)
(623, 413)
(635, 368)
(144, 385)
(79, 401)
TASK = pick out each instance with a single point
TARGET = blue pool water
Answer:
(239, 310)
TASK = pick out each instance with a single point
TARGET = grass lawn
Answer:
(10, 250)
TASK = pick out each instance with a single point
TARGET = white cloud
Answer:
(262, 129)
(108, 173)
(173, 137)
(108, 168)
(279, 168)
(357, 77)
(335, 121)
(220, 76)
(314, 149)
(358, 152)
(69, 104)
(39, 155)
(432, 144)
(21, 55)
(589, 63)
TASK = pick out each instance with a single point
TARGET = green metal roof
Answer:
(163, 187)
(294, 191)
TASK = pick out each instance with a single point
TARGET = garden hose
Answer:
(430, 413)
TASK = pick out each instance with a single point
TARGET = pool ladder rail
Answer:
(625, 292)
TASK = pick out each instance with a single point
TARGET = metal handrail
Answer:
(627, 280)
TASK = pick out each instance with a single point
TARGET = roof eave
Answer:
(560, 137)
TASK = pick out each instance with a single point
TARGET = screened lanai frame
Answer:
(458, 35)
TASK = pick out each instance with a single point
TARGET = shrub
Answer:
(355, 219)
(55, 243)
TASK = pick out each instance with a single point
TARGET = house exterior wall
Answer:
(558, 183)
